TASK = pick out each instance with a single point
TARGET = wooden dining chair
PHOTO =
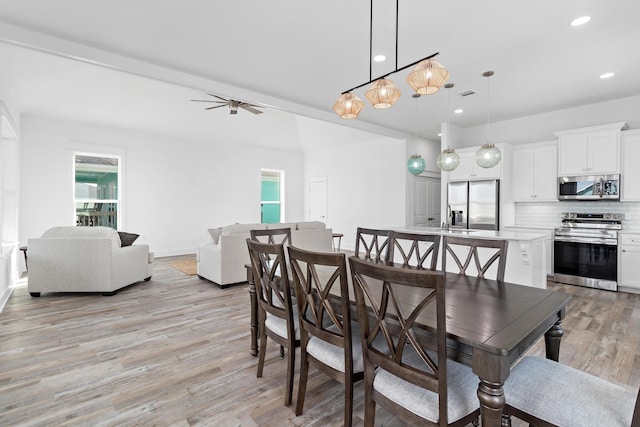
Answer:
(372, 244)
(414, 250)
(329, 339)
(409, 374)
(495, 250)
(545, 393)
(277, 315)
(273, 235)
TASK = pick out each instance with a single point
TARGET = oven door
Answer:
(579, 261)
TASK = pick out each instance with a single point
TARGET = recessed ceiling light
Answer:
(439, 134)
(607, 75)
(458, 111)
(379, 58)
(580, 21)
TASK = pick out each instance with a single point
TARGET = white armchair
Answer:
(85, 259)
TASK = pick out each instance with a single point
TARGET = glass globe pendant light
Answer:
(488, 155)
(416, 164)
(448, 160)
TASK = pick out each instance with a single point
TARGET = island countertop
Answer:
(511, 235)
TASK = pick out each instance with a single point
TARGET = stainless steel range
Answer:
(585, 250)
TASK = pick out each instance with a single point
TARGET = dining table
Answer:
(490, 325)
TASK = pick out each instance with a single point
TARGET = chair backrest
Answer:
(414, 250)
(272, 235)
(272, 281)
(380, 292)
(494, 250)
(372, 244)
(322, 292)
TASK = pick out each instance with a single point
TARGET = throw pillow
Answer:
(215, 234)
(127, 239)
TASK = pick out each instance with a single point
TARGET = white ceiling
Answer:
(297, 56)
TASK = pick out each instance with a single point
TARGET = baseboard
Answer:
(174, 252)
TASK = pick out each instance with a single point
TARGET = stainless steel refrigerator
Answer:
(474, 204)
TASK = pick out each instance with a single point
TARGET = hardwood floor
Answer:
(174, 351)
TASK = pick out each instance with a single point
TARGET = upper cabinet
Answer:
(630, 170)
(590, 151)
(534, 171)
(468, 170)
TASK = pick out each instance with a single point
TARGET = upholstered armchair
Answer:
(85, 259)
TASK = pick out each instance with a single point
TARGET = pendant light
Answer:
(428, 77)
(416, 163)
(488, 155)
(448, 160)
(348, 106)
(383, 93)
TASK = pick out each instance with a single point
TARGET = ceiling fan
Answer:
(231, 103)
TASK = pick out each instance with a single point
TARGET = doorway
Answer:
(317, 193)
(426, 202)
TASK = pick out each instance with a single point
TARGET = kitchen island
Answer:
(526, 258)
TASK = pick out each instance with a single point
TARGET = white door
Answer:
(317, 193)
(426, 202)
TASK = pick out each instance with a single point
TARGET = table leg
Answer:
(254, 313)
(491, 396)
(552, 341)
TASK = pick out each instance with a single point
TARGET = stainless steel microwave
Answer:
(592, 187)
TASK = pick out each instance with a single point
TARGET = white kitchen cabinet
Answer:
(630, 171)
(547, 243)
(468, 170)
(628, 261)
(589, 151)
(535, 172)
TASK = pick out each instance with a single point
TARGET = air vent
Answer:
(467, 93)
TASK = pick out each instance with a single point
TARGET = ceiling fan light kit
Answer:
(426, 79)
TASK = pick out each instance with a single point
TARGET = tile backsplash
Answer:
(547, 215)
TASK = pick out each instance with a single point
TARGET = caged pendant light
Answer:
(488, 155)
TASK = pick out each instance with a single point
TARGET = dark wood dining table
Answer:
(490, 325)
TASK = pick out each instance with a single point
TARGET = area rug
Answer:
(187, 266)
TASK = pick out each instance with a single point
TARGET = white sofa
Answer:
(85, 259)
(222, 259)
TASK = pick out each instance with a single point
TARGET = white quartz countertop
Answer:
(476, 234)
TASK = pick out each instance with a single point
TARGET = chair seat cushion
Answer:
(279, 325)
(462, 391)
(333, 355)
(565, 396)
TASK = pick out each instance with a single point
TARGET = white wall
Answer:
(174, 190)
(541, 127)
(365, 184)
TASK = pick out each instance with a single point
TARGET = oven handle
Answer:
(610, 242)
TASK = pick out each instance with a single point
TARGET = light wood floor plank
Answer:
(174, 351)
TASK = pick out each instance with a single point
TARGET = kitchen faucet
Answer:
(445, 225)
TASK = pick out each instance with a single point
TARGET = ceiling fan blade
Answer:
(215, 106)
(219, 97)
(208, 100)
(250, 108)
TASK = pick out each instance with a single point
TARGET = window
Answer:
(272, 196)
(96, 195)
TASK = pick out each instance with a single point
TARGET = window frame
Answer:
(110, 152)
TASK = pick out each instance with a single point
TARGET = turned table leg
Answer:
(552, 341)
(254, 312)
